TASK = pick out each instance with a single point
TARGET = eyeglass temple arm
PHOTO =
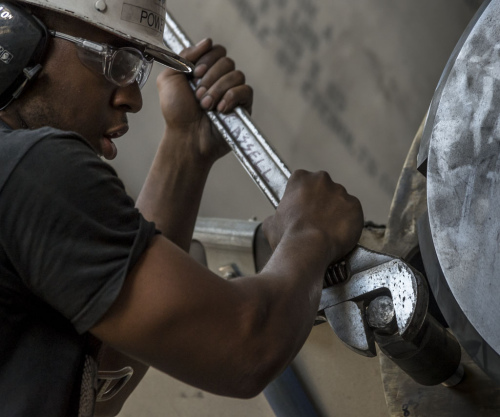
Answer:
(84, 43)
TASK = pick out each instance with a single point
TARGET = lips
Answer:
(108, 148)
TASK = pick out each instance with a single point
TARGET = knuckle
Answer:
(355, 207)
(359, 206)
(324, 176)
(341, 189)
(239, 77)
(220, 49)
(230, 97)
(229, 64)
(299, 174)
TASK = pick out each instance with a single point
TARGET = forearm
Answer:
(257, 328)
(240, 334)
(289, 290)
(299, 277)
(172, 192)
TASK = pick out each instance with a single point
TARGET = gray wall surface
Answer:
(340, 86)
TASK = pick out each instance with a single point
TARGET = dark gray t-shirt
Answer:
(69, 235)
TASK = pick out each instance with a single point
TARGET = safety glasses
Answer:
(121, 66)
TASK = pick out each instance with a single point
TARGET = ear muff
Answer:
(23, 42)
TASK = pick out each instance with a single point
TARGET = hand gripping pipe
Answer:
(250, 147)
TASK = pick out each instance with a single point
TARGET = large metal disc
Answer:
(461, 145)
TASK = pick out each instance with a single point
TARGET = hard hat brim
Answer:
(169, 59)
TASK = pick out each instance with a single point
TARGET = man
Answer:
(80, 265)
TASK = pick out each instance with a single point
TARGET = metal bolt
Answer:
(100, 6)
(380, 312)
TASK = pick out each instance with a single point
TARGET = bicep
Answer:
(174, 314)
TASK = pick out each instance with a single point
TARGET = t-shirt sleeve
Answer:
(69, 228)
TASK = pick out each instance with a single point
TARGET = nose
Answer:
(128, 98)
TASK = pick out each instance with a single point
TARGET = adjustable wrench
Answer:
(262, 162)
(369, 296)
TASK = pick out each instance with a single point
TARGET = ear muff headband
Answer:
(23, 42)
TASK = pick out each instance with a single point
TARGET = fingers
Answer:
(219, 85)
(195, 52)
(237, 96)
(314, 205)
(314, 185)
(226, 94)
(209, 59)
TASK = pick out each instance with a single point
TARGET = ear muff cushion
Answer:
(23, 40)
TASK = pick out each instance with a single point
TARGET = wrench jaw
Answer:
(406, 287)
(348, 322)
(384, 302)
(371, 275)
(408, 297)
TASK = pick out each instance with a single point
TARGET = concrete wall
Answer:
(340, 86)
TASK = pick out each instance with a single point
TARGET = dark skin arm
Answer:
(172, 192)
(233, 337)
(226, 337)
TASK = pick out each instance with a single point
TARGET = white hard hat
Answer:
(139, 21)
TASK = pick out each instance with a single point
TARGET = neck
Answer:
(13, 119)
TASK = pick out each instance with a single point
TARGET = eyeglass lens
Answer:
(125, 66)
(121, 66)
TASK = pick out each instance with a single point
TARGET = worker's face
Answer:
(69, 96)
